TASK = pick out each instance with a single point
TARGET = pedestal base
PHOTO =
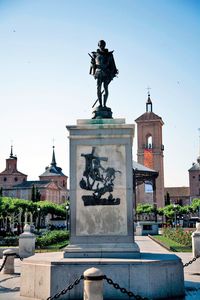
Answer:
(102, 112)
(126, 250)
(156, 276)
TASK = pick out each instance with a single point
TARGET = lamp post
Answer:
(174, 215)
(67, 216)
(38, 223)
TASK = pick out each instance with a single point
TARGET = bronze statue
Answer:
(103, 69)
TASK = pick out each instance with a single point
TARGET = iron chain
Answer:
(191, 261)
(64, 291)
(123, 290)
(18, 256)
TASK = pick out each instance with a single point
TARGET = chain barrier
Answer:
(191, 261)
(123, 290)
(109, 281)
(18, 256)
(64, 291)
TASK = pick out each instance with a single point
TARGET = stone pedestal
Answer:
(196, 241)
(138, 230)
(156, 276)
(101, 189)
(26, 242)
(102, 113)
(101, 221)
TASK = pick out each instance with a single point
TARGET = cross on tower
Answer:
(148, 89)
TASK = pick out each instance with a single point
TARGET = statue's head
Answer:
(102, 44)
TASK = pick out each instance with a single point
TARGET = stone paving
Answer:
(10, 284)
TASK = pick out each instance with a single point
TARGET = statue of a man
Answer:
(104, 70)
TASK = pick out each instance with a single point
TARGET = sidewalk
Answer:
(10, 284)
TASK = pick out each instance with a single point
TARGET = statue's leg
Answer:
(99, 95)
(105, 96)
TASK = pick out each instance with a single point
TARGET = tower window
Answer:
(5, 179)
(148, 188)
(193, 177)
(149, 142)
(199, 177)
(16, 179)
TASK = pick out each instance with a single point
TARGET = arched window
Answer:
(149, 142)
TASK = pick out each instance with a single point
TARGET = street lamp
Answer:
(38, 224)
(175, 214)
(67, 216)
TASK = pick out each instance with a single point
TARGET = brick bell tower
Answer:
(150, 153)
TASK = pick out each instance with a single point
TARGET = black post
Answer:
(38, 224)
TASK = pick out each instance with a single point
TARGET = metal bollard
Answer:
(93, 284)
(9, 265)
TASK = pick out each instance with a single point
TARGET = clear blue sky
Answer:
(45, 82)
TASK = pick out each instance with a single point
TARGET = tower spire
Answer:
(11, 152)
(149, 106)
(53, 162)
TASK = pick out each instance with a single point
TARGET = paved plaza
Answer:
(10, 284)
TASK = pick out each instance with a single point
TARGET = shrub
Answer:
(52, 237)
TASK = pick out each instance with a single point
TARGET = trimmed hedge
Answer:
(9, 241)
(52, 237)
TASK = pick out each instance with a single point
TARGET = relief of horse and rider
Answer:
(98, 179)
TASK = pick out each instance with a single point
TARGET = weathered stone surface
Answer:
(153, 276)
(101, 190)
(93, 289)
(26, 242)
(196, 241)
(9, 265)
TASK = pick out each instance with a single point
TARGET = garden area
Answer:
(175, 239)
(176, 223)
(170, 215)
(15, 213)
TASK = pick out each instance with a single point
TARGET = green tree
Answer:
(167, 199)
(37, 195)
(33, 193)
(196, 205)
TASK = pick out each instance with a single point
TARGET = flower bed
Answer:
(178, 235)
